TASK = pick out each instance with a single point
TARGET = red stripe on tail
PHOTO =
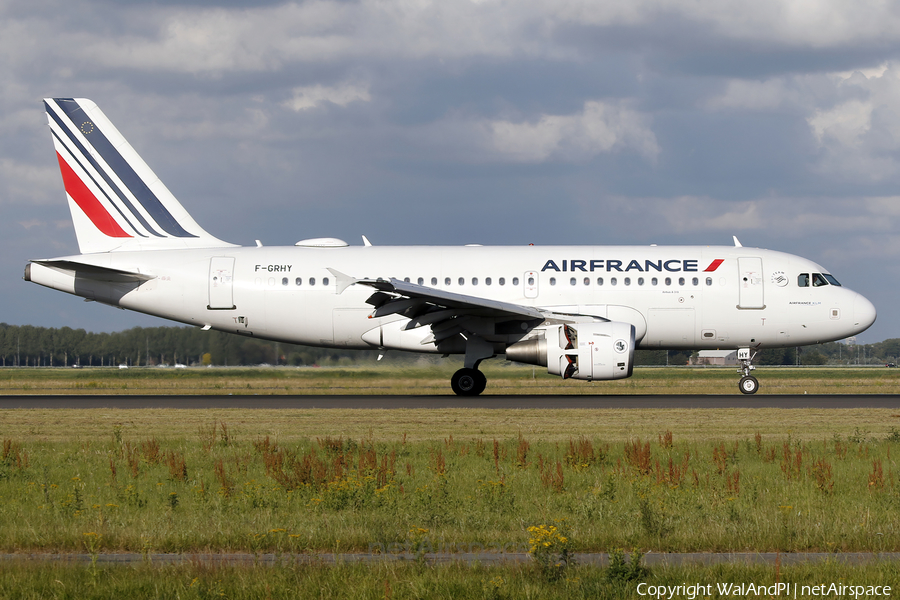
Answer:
(88, 203)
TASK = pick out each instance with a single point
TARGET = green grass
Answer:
(94, 481)
(354, 481)
(503, 378)
(401, 581)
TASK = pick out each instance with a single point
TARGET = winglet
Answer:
(737, 243)
(366, 242)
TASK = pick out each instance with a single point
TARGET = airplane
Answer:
(579, 311)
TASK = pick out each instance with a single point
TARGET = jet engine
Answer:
(588, 351)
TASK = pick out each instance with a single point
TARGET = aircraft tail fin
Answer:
(117, 202)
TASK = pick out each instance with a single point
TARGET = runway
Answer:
(383, 402)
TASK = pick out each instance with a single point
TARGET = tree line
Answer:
(30, 346)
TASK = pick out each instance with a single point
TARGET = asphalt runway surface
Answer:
(444, 402)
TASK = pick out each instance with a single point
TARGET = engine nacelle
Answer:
(587, 351)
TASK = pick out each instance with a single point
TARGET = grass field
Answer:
(322, 481)
(402, 581)
(503, 378)
(354, 480)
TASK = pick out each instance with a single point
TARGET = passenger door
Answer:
(221, 283)
(751, 284)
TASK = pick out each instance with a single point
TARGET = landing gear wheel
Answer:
(468, 382)
(748, 385)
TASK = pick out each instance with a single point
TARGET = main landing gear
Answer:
(469, 381)
(748, 384)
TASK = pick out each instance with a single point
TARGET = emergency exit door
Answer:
(221, 283)
(751, 283)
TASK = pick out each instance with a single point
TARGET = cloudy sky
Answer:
(458, 121)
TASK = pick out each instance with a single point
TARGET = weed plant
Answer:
(403, 580)
(219, 490)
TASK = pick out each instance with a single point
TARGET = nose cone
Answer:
(863, 314)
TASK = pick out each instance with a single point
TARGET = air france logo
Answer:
(610, 265)
(621, 346)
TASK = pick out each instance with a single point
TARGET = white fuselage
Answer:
(676, 296)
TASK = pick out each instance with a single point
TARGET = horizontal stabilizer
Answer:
(86, 271)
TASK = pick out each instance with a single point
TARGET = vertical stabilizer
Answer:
(117, 202)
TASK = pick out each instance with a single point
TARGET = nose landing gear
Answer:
(748, 383)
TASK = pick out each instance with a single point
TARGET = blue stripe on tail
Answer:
(123, 170)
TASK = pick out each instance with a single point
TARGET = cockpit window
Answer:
(803, 280)
(819, 280)
(831, 279)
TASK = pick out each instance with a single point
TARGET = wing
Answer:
(447, 313)
(399, 297)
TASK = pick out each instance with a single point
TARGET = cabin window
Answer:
(530, 281)
(613, 281)
(599, 281)
(502, 281)
(573, 281)
(654, 281)
(312, 281)
(324, 281)
(695, 282)
(516, 281)
(803, 280)
(552, 280)
(284, 281)
(640, 281)
(474, 281)
(668, 281)
(462, 281)
(446, 281)
(420, 281)
(298, 281)
(434, 281)
(709, 281)
(406, 279)
(628, 281)
(681, 281)
(487, 281)
(587, 281)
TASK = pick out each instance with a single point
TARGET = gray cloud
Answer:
(655, 121)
